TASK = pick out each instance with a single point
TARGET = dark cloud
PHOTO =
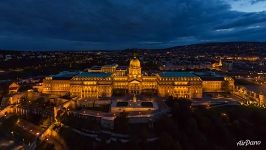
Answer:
(116, 24)
(250, 1)
(256, 1)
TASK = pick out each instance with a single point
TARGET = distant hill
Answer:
(248, 48)
(242, 48)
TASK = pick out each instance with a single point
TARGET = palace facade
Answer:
(105, 81)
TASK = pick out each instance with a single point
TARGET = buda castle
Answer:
(105, 81)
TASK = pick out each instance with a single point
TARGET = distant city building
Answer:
(218, 66)
(227, 66)
(13, 88)
(172, 67)
(251, 93)
(110, 79)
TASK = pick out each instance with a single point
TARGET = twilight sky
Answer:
(119, 24)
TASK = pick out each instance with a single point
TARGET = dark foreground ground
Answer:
(218, 128)
(189, 129)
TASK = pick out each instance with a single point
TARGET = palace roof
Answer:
(65, 75)
(94, 74)
(210, 76)
(96, 68)
(176, 74)
(112, 65)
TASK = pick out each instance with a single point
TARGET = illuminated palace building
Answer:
(107, 80)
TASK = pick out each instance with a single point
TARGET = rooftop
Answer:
(177, 74)
(112, 65)
(96, 68)
(210, 76)
(94, 74)
(65, 75)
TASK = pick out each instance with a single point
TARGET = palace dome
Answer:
(135, 63)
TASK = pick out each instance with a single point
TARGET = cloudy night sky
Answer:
(120, 24)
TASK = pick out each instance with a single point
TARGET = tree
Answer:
(121, 122)
(167, 142)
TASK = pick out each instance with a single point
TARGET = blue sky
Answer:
(120, 24)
